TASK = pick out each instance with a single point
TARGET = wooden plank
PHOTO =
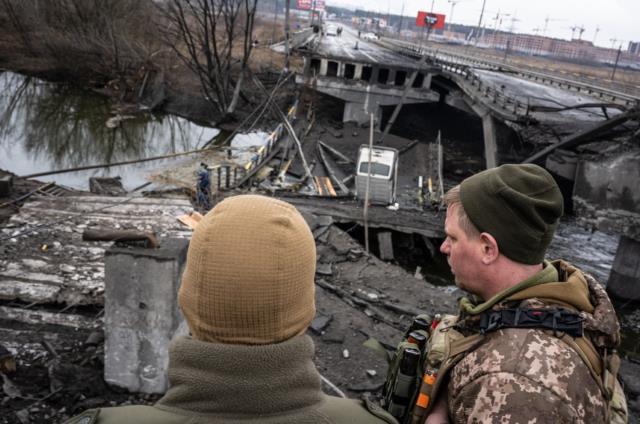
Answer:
(36, 317)
(329, 186)
(318, 185)
(28, 291)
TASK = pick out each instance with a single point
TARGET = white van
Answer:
(384, 174)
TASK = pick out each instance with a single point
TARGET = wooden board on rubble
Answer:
(50, 263)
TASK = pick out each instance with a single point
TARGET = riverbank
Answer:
(134, 63)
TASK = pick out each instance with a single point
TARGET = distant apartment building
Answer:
(634, 48)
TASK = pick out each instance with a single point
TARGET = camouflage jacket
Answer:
(221, 383)
(520, 375)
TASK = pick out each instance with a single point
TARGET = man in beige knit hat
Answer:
(248, 297)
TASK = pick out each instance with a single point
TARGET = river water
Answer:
(46, 126)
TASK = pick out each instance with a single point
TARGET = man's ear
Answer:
(489, 246)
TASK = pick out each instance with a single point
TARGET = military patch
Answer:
(378, 411)
(88, 417)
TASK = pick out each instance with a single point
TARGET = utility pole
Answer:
(615, 66)
(484, 2)
(497, 26)
(313, 12)
(613, 42)
(453, 5)
(432, 2)
(286, 33)
(596, 35)
(401, 20)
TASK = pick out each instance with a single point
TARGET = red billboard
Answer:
(311, 4)
(430, 20)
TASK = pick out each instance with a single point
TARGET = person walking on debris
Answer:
(247, 295)
(203, 188)
(537, 341)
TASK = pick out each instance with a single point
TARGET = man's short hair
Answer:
(518, 204)
(451, 198)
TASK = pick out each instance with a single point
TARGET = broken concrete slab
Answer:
(324, 269)
(325, 220)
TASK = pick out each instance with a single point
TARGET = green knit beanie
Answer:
(519, 205)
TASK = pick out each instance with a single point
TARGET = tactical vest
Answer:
(432, 347)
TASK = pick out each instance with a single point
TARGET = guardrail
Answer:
(264, 151)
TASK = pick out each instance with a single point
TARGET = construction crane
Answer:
(498, 20)
(546, 23)
(595, 35)
(575, 28)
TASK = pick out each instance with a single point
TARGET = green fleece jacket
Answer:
(221, 383)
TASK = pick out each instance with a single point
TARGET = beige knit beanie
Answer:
(249, 277)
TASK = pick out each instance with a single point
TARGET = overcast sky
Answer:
(617, 19)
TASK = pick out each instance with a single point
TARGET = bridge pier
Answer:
(490, 141)
(324, 64)
(489, 133)
(358, 71)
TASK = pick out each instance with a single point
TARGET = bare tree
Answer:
(214, 38)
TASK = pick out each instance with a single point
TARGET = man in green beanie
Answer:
(247, 295)
(537, 340)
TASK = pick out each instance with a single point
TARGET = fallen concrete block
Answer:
(141, 313)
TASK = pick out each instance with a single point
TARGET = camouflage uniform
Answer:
(522, 375)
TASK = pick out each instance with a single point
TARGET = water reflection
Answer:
(45, 126)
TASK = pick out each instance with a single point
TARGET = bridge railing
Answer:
(511, 107)
(601, 93)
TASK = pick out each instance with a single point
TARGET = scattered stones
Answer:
(355, 254)
(320, 322)
(320, 231)
(324, 269)
(23, 416)
(372, 296)
(345, 353)
(372, 373)
(34, 263)
(324, 237)
(67, 269)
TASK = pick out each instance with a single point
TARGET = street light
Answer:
(453, 4)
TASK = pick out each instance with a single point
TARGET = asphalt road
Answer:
(344, 46)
